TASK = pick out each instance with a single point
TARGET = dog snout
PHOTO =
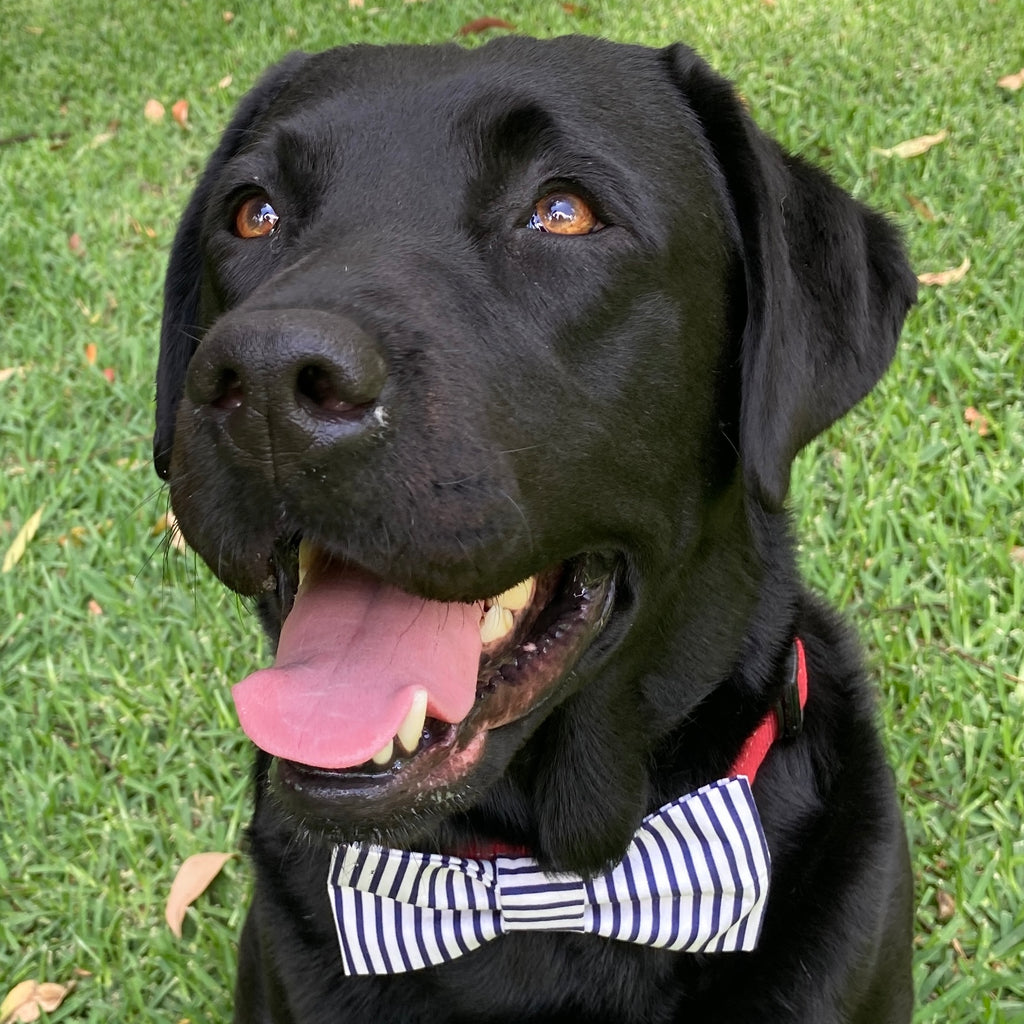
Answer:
(287, 380)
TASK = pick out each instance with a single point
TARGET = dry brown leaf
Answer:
(169, 524)
(976, 421)
(941, 278)
(21, 542)
(180, 112)
(946, 905)
(153, 111)
(1012, 82)
(24, 1001)
(103, 138)
(483, 24)
(1017, 555)
(191, 881)
(10, 371)
(76, 535)
(915, 147)
(921, 207)
(141, 229)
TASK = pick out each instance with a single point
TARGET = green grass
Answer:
(120, 750)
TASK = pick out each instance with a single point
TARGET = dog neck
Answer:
(784, 721)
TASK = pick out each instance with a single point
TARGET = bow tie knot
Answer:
(694, 878)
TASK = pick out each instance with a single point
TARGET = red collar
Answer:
(784, 720)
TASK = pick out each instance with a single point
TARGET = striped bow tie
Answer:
(694, 879)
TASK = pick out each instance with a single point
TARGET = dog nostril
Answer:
(318, 391)
(229, 393)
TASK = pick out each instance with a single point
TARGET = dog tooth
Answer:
(411, 730)
(518, 597)
(384, 755)
(305, 558)
(497, 623)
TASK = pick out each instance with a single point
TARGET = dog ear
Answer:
(827, 281)
(179, 329)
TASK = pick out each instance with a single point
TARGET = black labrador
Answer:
(482, 372)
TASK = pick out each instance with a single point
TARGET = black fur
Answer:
(638, 394)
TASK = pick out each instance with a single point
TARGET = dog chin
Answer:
(532, 638)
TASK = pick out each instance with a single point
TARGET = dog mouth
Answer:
(377, 692)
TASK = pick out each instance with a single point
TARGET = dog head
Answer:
(520, 340)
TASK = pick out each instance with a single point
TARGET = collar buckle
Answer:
(789, 711)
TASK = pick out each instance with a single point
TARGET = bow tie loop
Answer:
(694, 878)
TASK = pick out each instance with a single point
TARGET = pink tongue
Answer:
(353, 653)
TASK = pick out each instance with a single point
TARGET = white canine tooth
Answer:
(411, 730)
(305, 558)
(497, 623)
(518, 597)
(384, 755)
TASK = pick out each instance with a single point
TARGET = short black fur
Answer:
(639, 393)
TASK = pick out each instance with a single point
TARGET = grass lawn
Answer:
(120, 750)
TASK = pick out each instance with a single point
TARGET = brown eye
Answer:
(562, 213)
(256, 218)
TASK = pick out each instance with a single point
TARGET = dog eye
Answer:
(255, 218)
(563, 213)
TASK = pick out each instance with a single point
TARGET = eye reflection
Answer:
(256, 217)
(563, 213)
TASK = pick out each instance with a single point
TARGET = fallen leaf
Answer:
(153, 111)
(76, 535)
(915, 147)
(141, 229)
(24, 1001)
(225, 81)
(103, 138)
(483, 25)
(575, 10)
(10, 371)
(921, 207)
(180, 112)
(1017, 555)
(169, 524)
(91, 353)
(24, 537)
(75, 244)
(1012, 82)
(974, 419)
(946, 905)
(940, 278)
(192, 880)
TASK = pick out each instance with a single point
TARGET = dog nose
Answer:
(284, 381)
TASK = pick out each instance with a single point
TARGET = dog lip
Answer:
(574, 603)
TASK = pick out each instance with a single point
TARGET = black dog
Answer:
(524, 340)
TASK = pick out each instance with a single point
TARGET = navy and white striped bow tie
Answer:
(694, 879)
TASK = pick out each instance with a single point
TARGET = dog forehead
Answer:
(607, 97)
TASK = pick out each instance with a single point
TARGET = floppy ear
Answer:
(179, 329)
(827, 285)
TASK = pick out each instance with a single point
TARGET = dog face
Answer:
(483, 372)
